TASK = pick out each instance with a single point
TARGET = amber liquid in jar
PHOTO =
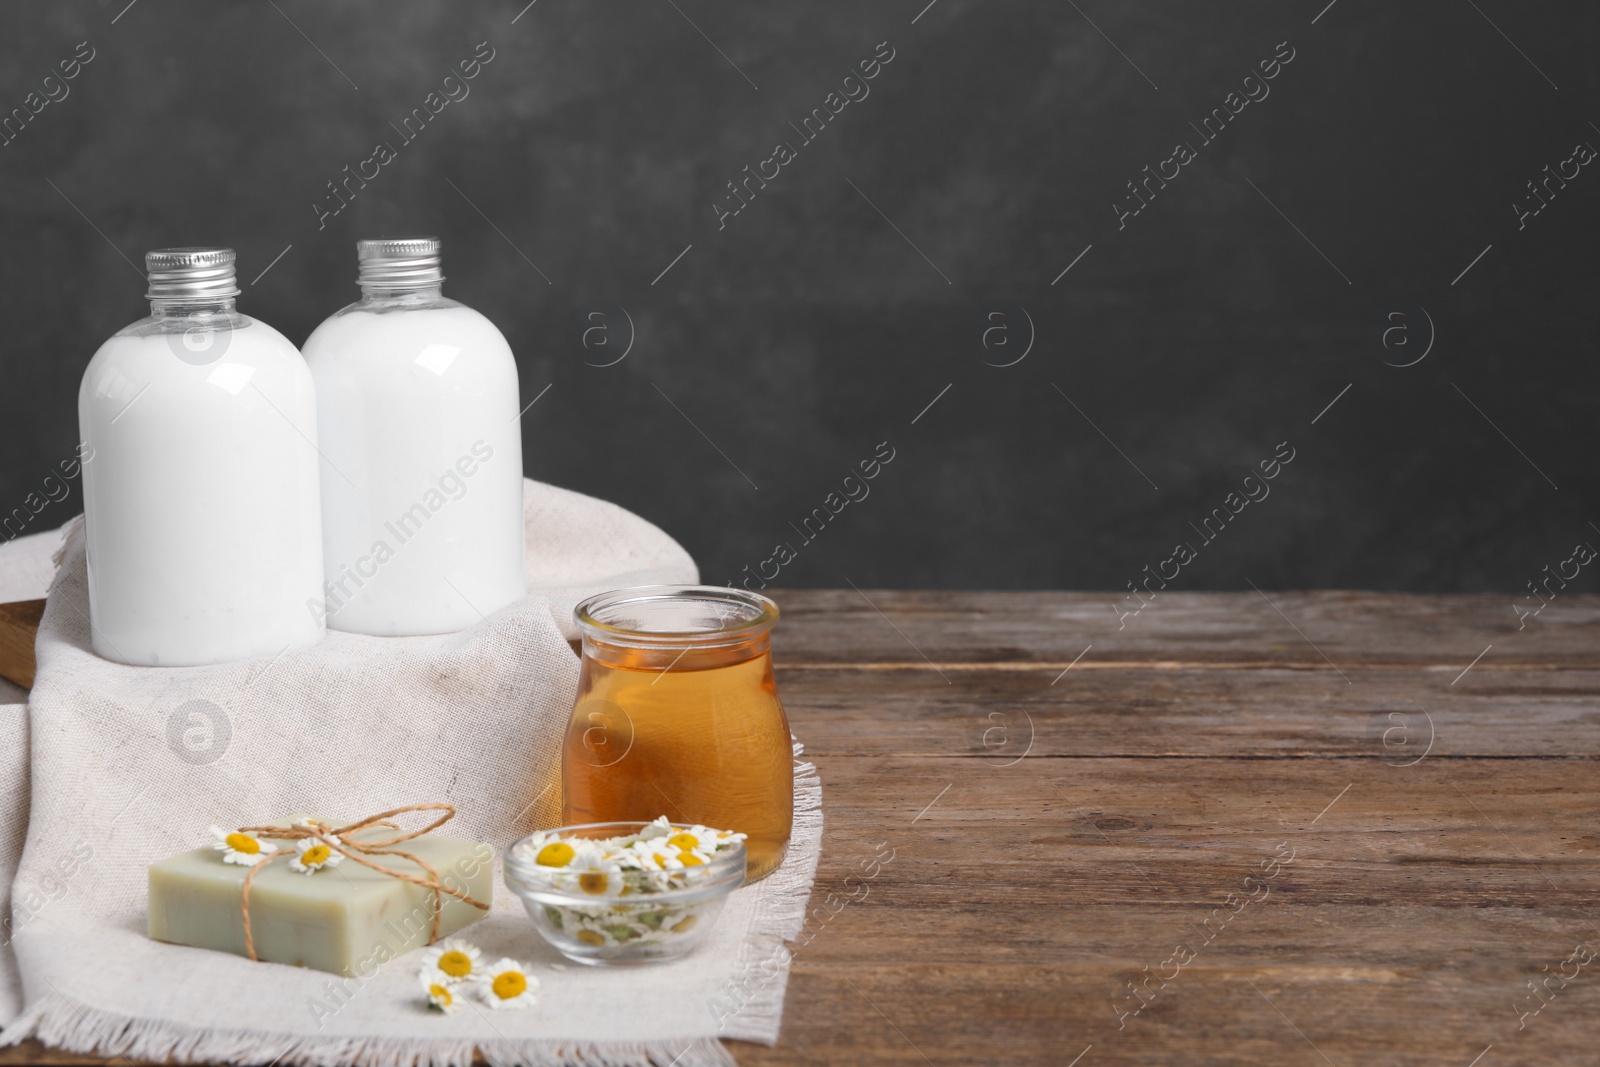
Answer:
(695, 734)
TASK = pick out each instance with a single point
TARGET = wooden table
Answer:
(1055, 834)
(1058, 819)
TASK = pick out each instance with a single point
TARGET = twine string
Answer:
(359, 851)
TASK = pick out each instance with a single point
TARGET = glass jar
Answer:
(640, 916)
(678, 715)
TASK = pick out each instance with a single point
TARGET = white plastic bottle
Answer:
(201, 498)
(422, 452)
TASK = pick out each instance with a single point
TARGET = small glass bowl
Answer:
(656, 916)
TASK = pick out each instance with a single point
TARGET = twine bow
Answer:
(337, 839)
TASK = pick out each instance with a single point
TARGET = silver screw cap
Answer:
(399, 262)
(190, 273)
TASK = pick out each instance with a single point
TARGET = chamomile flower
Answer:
(655, 855)
(313, 855)
(709, 840)
(453, 960)
(616, 871)
(623, 855)
(659, 828)
(549, 850)
(593, 938)
(694, 839)
(508, 984)
(555, 854)
(440, 992)
(237, 847)
(600, 877)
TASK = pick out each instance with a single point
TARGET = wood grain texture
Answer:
(1443, 825)
(1008, 846)
(19, 625)
(1312, 631)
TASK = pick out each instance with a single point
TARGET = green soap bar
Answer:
(346, 919)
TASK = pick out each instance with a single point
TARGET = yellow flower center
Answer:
(661, 861)
(315, 856)
(593, 882)
(683, 924)
(683, 841)
(689, 859)
(555, 854)
(456, 964)
(441, 994)
(243, 843)
(509, 985)
(589, 937)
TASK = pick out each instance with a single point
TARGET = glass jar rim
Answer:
(523, 875)
(739, 616)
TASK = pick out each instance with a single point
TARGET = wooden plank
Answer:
(1405, 943)
(1389, 715)
(977, 1012)
(19, 624)
(1463, 832)
(961, 630)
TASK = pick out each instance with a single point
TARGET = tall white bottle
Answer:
(200, 488)
(421, 442)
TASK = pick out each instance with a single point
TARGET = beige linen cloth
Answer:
(128, 765)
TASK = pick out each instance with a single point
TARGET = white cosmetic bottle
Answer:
(201, 484)
(421, 442)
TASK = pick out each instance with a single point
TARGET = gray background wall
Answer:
(1177, 352)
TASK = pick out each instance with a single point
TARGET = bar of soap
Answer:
(346, 919)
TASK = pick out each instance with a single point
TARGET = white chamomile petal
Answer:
(656, 855)
(312, 854)
(508, 984)
(440, 993)
(612, 873)
(587, 853)
(453, 960)
(555, 854)
(659, 828)
(538, 839)
(694, 839)
(239, 847)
